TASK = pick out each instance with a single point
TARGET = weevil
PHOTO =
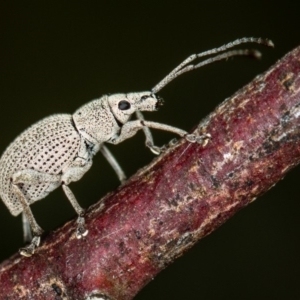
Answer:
(59, 149)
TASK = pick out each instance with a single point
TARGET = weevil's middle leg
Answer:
(81, 230)
(113, 162)
(27, 234)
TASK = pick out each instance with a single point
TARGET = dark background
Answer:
(55, 57)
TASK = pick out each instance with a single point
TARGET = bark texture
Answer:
(183, 195)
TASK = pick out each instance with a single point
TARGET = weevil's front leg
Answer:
(192, 138)
(149, 139)
(30, 177)
(129, 129)
(113, 162)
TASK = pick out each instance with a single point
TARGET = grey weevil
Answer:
(59, 149)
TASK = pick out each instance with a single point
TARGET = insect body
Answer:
(59, 149)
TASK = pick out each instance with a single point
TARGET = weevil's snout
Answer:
(143, 101)
(160, 102)
(150, 102)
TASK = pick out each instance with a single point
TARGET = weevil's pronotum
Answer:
(59, 149)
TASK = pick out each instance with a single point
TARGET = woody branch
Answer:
(182, 196)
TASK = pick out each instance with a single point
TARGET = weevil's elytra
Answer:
(59, 149)
(46, 147)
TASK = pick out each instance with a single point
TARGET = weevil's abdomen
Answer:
(48, 146)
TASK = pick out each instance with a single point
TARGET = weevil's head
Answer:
(124, 105)
(102, 118)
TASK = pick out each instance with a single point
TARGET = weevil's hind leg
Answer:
(36, 229)
(27, 234)
(149, 139)
(113, 162)
(29, 176)
(81, 231)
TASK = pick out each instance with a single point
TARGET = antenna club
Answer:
(160, 102)
(266, 42)
(255, 53)
(270, 43)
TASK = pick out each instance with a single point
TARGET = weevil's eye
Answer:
(124, 105)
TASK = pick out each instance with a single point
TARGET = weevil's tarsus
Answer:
(203, 139)
(30, 249)
(200, 139)
(81, 231)
(173, 142)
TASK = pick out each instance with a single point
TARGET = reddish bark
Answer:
(184, 194)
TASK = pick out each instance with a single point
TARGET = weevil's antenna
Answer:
(185, 66)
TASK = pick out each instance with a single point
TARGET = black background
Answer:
(57, 56)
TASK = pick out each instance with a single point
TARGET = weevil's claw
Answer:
(173, 142)
(203, 139)
(200, 139)
(163, 148)
(81, 231)
(190, 138)
(29, 250)
(156, 150)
